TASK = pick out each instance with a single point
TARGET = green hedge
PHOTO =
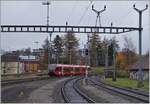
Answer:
(122, 74)
(98, 70)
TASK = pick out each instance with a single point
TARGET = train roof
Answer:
(52, 67)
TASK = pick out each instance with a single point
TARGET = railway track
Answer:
(140, 96)
(72, 94)
(17, 81)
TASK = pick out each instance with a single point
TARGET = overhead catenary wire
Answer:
(71, 12)
(50, 14)
(85, 11)
(122, 18)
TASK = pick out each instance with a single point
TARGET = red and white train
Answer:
(66, 70)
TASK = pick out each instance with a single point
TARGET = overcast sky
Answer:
(121, 13)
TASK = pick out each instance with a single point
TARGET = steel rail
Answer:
(127, 89)
(130, 90)
(66, 97)
(81, 93)
(18, 81)
(121, 91)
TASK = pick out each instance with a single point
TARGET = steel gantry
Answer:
(83, 29)
(64, 29)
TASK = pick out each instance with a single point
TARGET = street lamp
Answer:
(47, 4)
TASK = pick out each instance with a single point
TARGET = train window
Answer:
(67, 69)
(77, 70)
(58, 68)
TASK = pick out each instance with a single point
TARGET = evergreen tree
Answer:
(45, 60)
(112, 47)
(70, 48)
(102, 49)
(58, 47)
(94, 45)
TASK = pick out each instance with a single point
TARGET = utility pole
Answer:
(70, 56)
(114, 58)
(98, 14)
(106, 58)
(106, 55)
(140, 75)
(50, 48)
(70, 50)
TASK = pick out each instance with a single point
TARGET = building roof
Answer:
(16, 58)
(144, 63)
(9, 58)
(30, 57)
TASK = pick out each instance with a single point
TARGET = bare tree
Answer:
(129, 51)
(46, 54)
(128, 44)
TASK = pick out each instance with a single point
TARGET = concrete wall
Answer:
(31, 67)
(11, 68)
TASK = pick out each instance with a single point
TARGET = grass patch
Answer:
(146, 85)
(126, 82)
(98, 70)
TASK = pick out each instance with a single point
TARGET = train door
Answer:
(83, 70)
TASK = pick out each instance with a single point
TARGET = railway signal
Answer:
(86, 52)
